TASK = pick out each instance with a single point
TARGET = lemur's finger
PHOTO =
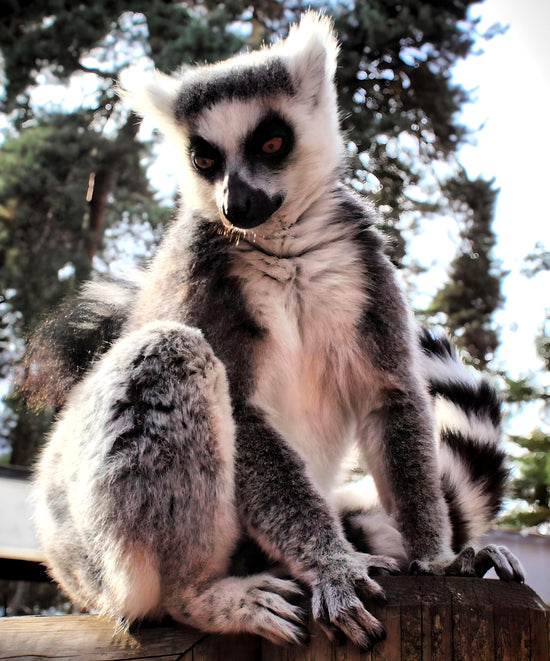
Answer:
(515, 564)
(491, 558)
(362, 628)
(383, 562)
(286, 588)
(463, 564)
(368, 589)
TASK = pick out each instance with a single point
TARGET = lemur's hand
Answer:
(471, 563)
(336, 599)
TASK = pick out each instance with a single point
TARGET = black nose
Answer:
(246, 207)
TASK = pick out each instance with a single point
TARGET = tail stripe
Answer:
(484, 463)
(459, 524)
(479, 399)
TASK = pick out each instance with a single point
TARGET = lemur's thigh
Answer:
(143, 459)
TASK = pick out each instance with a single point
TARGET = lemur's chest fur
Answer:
(309, 371)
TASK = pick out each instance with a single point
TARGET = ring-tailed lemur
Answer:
(267, 336)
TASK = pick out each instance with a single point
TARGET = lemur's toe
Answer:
(507, 567)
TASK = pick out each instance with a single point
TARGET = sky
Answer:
(512, 77)
(511, 83)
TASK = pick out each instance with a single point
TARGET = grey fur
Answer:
(203, 91)
(179, 440)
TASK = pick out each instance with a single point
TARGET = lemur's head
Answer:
(257, 135)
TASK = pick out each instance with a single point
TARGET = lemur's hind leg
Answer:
(260, 604)
(146, 444)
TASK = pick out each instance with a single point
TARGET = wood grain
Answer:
(426, 619)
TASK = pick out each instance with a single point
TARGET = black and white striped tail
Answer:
(472, 462)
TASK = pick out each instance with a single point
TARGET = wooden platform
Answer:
(426, 619)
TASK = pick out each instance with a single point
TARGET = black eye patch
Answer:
(270, 142)
(205, 158)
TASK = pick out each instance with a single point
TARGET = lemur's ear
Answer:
(311, 52)
(151, 94)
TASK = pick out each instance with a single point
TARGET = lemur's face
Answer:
(257, 136)
(245, 173)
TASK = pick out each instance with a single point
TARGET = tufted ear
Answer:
(311, 53)
(151, 94)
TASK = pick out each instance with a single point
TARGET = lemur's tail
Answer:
(472, 462)
(66, 343)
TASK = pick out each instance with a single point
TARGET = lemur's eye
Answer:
(272, 146)
(270, 142)
(206, 158)
(203, 163)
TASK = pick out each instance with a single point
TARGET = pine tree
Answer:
(472, 293)
(531, 481)
(531, 484)
(53, 203)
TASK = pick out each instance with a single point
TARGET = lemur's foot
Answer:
(260, 604)
(272, 613)
(471, 563)
(337, 598)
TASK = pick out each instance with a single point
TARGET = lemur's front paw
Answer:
(471, 563)
(336, 599)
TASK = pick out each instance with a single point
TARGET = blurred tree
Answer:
(401, 107)
(532, 482)
(538, 260)
(400, 112)
(55, 178)
(472, 293)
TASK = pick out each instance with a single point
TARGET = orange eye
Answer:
(204, 163)
(272, 146)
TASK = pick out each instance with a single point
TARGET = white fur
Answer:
(357, 495)
(447, 370)
(453, 418)
(471, 497)
(304, 386)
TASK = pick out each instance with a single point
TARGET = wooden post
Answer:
(426, 619)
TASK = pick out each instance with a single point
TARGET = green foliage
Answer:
(395, 82)
(46, 175)
(472, 293)
(520, 390)
(542, 344)
(52, 215)
(58, 36)
(538, 260)
(532, 484)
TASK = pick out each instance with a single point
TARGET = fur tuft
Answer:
(311, 52)
(151, 93)
(66, 343)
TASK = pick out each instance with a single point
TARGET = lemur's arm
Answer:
(400, 436)
(398, 433)
(292, 522)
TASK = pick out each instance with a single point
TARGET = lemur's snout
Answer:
(246, 207)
